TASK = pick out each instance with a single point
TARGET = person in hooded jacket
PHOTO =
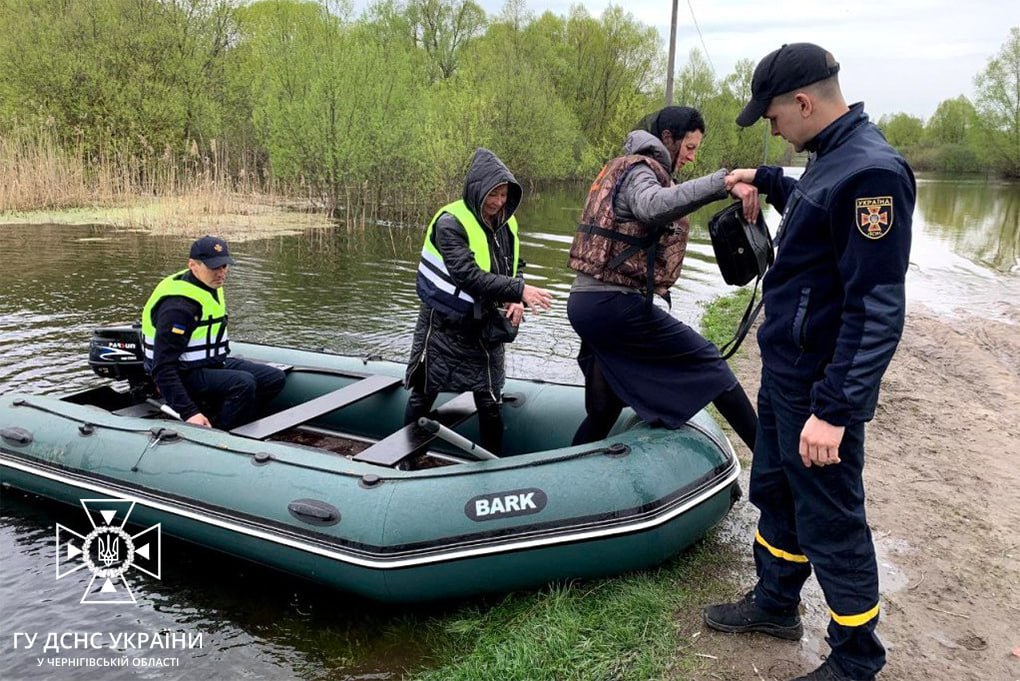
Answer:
(470, 275)
(630, 244)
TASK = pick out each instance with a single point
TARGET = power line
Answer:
(703, 46)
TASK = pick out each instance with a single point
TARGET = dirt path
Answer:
(943, 485)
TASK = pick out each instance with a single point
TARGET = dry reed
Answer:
(165, 193)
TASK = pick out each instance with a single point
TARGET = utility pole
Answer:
(672, 57)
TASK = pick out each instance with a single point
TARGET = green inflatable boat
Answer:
(330, 485)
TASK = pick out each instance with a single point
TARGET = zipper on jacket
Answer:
(488, 369)
(800, 318)
(498, 249)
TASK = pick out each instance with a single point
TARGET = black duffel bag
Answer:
(742, 250)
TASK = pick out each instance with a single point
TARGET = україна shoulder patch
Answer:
(874, 216)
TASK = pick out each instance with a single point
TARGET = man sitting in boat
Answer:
(184, 336)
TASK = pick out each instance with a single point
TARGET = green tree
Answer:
(952, 122)
(602, 69)
(695, 82)
(951, 141)
(334, 101)
(442, 28)
(501, 100)
(998, 103)
(116, 76)
(902, 130)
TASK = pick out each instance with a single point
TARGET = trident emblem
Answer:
(108, 551)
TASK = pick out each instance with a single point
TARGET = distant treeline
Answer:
(368, 113)
(969, 137)
(360, 113)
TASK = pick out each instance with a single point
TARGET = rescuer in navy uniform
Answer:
(184, 337)
(834, 312)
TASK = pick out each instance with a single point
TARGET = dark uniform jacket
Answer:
(448, 355)
(834, 299)
(183, 313)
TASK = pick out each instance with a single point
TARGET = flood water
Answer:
(350, 292)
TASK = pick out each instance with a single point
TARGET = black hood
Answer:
(485, 172)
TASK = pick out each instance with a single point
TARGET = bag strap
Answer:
(648, 243)
(750, 314)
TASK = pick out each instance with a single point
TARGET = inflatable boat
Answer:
(330, 485)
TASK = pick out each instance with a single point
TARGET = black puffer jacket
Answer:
(451, 356)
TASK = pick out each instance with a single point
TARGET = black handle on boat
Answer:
(455, 439)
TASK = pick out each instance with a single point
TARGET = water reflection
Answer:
(965, 255)
(979, 220)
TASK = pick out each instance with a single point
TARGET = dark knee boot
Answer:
(418, 405)
(490, 423)
(739, 413)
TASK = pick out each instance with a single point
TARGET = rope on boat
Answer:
(160, 434)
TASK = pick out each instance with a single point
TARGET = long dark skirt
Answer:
(656, 364)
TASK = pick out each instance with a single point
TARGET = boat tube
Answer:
(329, 483)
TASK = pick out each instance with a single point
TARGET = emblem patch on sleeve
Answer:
(874, 216)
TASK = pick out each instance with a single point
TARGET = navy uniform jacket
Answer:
(834, 299)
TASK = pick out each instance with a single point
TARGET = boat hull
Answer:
(554, 512)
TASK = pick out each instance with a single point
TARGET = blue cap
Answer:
(212, 251)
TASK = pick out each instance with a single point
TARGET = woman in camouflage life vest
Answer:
(630, 245)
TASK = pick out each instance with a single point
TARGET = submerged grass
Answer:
(639, 626)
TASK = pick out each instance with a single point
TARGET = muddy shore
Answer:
(943, 486)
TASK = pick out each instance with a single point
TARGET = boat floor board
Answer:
(411, 439)
(306, 411)
(142, 411)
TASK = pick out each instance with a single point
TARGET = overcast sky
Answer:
(896, 55)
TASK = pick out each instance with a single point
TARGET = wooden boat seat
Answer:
(306, 411)
(411, 439)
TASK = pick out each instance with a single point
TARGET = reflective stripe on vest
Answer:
(435, 285)
(209, 340)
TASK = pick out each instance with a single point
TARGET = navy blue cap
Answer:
(790, 67)
(212, 251)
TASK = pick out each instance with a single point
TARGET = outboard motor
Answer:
(116, 352)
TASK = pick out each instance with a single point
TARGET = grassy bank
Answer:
(640, 626)
(721, 317)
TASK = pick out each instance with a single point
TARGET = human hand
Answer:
(819, 442)
(536, 298)
(748, 196)
(745, 175)
(199, 419)
(514, 312)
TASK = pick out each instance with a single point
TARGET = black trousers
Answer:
(490, 419)
(603, 407)
(814, 518)
(237, 391)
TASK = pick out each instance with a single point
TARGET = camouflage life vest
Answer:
(627, 253)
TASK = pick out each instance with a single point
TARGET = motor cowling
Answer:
(116, 352)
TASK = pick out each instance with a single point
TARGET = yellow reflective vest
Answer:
(434, 284)
(209, 342)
